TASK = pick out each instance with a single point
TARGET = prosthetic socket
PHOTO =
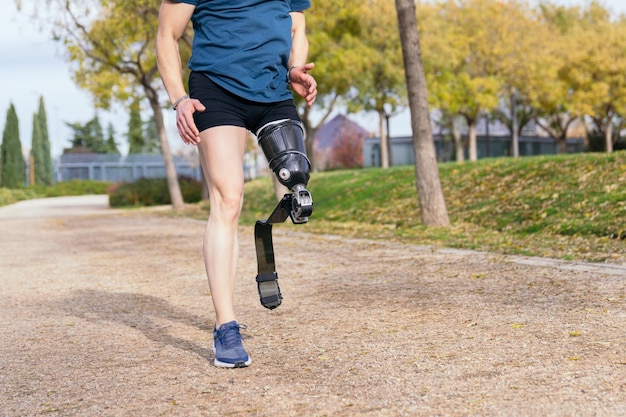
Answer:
(283, 145)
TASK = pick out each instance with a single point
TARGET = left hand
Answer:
(303, 83)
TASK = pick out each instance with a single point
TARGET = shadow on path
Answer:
(142, 312)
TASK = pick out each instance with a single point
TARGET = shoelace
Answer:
(230, 336)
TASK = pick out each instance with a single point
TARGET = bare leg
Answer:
(221, 154)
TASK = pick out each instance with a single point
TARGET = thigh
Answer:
(272, 112)
(222, 107)
(221, 151)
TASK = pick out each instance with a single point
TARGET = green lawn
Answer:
(566, 206)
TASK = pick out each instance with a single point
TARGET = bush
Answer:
(10, 196)
(73, 187)
(152, 192)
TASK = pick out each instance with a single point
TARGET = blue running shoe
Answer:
(229, 352)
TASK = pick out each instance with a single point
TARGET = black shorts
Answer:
(224, 108)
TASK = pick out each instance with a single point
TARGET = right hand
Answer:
(187, 128)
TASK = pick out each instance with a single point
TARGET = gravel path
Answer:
(106, 313)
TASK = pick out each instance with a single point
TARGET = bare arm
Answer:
(173, 20)
(301, 81)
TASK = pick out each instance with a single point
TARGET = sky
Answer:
(32, 65)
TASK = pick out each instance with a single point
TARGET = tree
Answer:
(381, 85)
(48, 174)
(41, 158)
(88, 137)
(151, 136)
(135, 137)
(450, 123)
(432, 204)
(551, 93)
(110, 144)
(13, 173)
(598, 80)
(142, 136)
(521, 61)
(336, 35)
(348, 149)
(36, 166)
(111, 44)
(459, 62)
(36, 150)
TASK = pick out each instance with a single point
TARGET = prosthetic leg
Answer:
(282, 143)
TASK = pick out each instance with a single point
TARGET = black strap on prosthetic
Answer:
(267, 278)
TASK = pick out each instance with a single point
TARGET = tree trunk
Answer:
(389, 146)
(557, 127)
(458, 143)
(432, 204)
(608, 136)
(384, 140)
(473, 142)
(170, 170)
(561, 142)
(32, 178)
(514, 127)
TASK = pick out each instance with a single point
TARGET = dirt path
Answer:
(106, 313)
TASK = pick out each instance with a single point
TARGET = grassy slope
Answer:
(566, 206)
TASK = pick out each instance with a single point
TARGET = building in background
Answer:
(342, 143)
(339, 144)
(118, 168)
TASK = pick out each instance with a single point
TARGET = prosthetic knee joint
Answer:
(282, 143)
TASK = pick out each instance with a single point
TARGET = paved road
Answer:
(106, 313)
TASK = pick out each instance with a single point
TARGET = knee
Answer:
(226, 207)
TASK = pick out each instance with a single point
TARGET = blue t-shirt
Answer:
(244, 46)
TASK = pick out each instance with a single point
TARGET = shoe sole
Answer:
(242, 364)
(221, 364)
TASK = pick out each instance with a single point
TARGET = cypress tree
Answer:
(152, 144)
(46, 151)
(111, 145)
(88, 137)
(79, 137)
(98, 144)
(13, 165)
(36, 152)
(136, 140)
